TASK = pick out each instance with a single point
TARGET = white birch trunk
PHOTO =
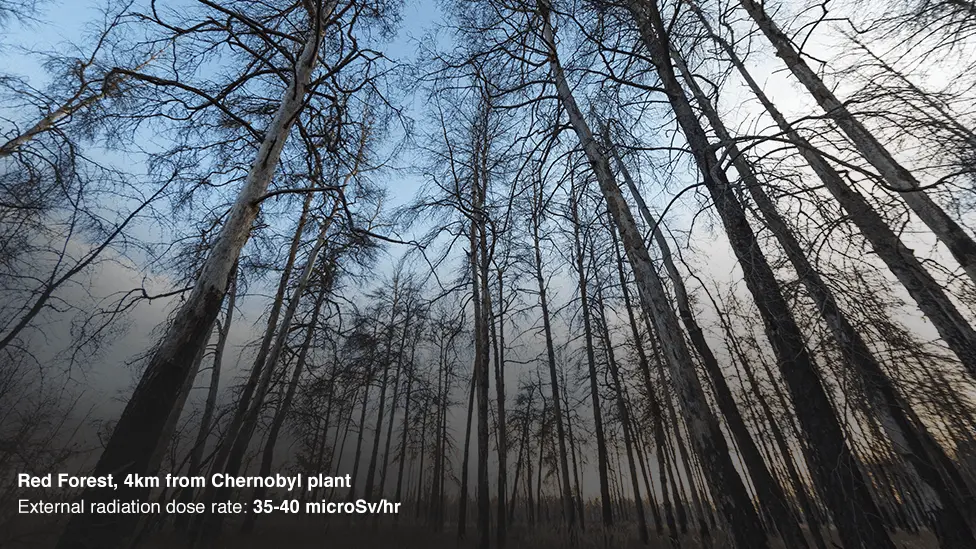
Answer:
(142, 426)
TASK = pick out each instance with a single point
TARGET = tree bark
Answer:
(835, 466)
(140, 429)
(894, 413)
(199, 445)
(705, 430)
(771, 496)
(960, 244)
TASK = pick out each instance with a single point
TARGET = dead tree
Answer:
(139, 431)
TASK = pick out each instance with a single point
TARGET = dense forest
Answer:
(583, 273)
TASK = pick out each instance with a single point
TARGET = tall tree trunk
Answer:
(624, 415)
(404, 442)
(481, 298)
(657, 418)
(436, 511)
(667, 448)
(247, 393)
(771, 495)
(566, 495)
(799, 487)
(381, 403)
(320, 462)
(960, 244)
(441, 479)
(244, 400)
(601, 444)
(361, 434)
(930, 297)
(174, 417)
(642, 459)
(523, 452)
(210, 405)
(835, 467)
(575, 458)
(396, 397)
(682, 458)
(928, 294)
(384, 466)
(530, 499)
(538, 480)
(465, 459)
(267, 457)
(576, 448)
(707, 435)
(894, 412)
(335, 458)
(141, 428)
(423, 454)
(212, 525)
(498, 339)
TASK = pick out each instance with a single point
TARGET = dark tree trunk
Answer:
(894, 412)
(278, 422)
(900, 260)
(381, 403)
(199, 446)
(396, 398)
(601, 443)
(498, 338)
(361, 433)
(566, 495)
(707, 434)
(404, 440)
(624, 416)
(771, 495)
(465, 459)
(959, 243)
(835, 467)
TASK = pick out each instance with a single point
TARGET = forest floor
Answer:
(289, 532)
